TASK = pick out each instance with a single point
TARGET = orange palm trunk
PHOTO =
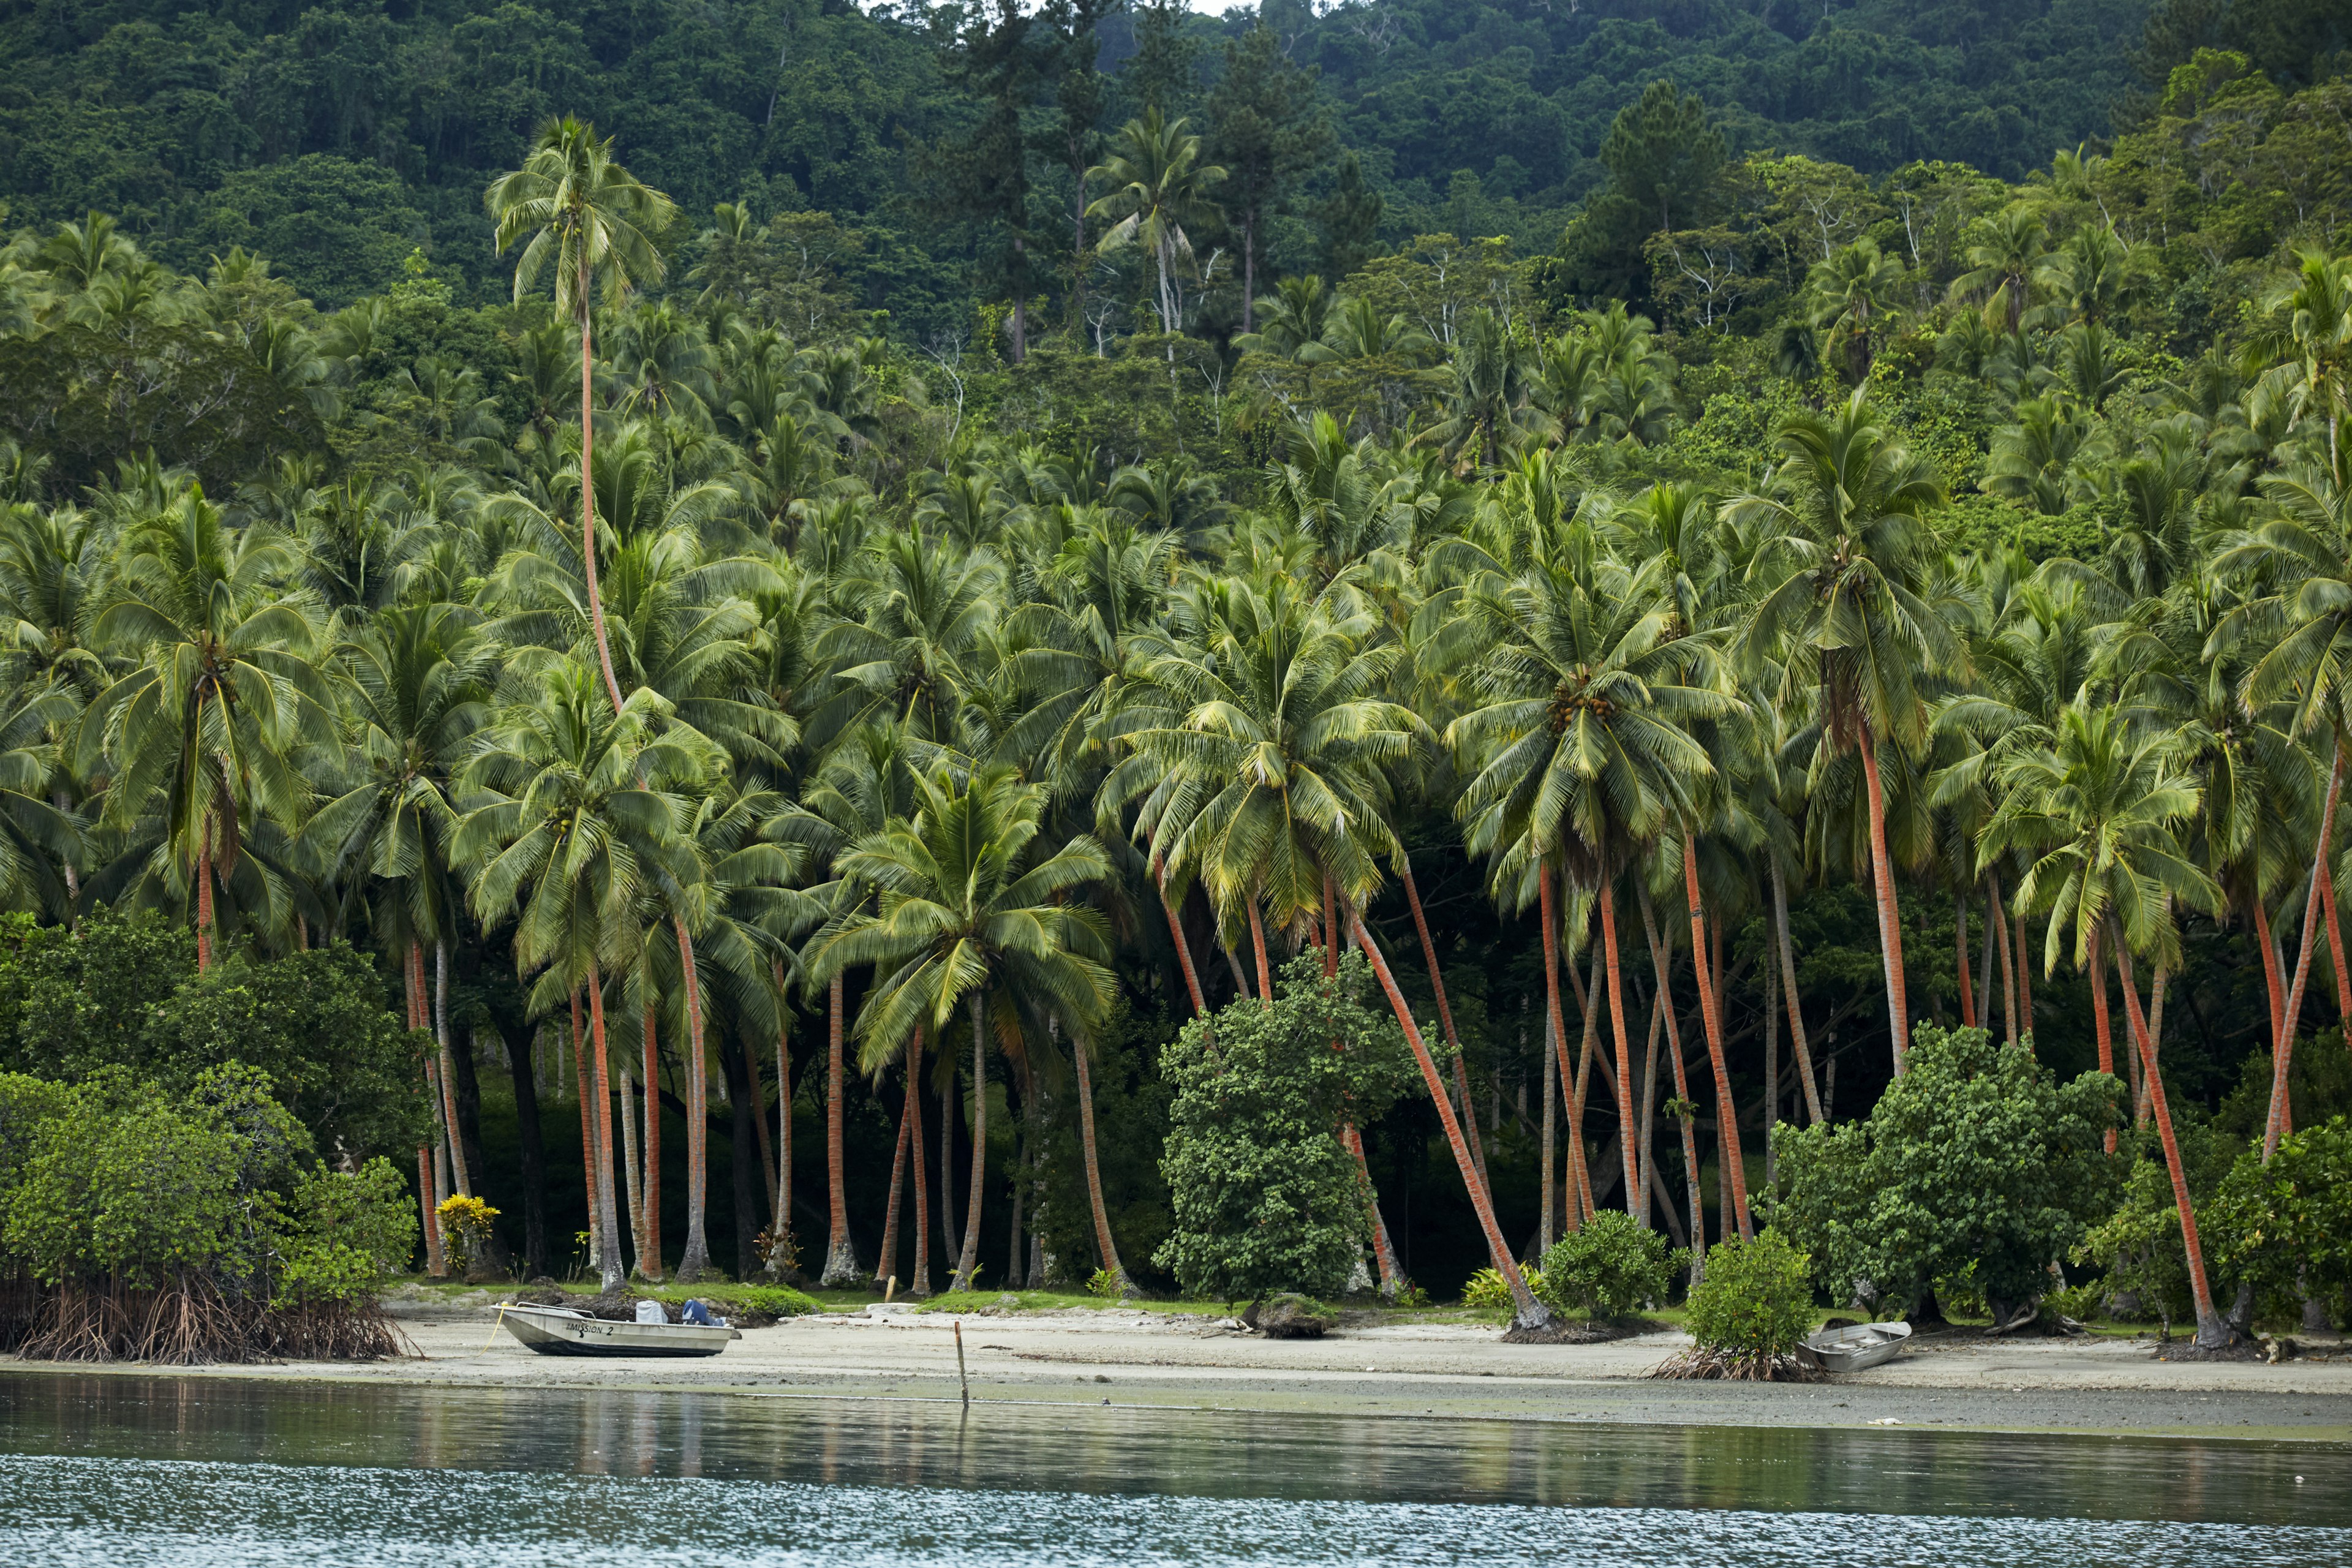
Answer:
(649, 1264)
(1627, 1131)
(1257, 945)
(2210, 1331)
(888, 1258)
(1710, 1017)
(1960, 961)
(608, 1210)
(1890, 920)
(2098, 966)
(1444, 1009)
(921, 1282)
(1529, 1313)
(587, 1120)
(1106, 1244)
(2282, 1045)
(840, 1257)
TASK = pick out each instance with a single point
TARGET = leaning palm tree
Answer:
(966, 920)
(2100, 809)
(588, 216)
(1159, 185)
(1849, 611)
(204, 736)
(578, 806)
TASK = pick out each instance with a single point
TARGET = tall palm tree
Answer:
(1851, 293)
(1158, 186)
(2002, 263)
(595, 224)
(2315, 336)
(969, 917)
(1849, 612)
(578, 806)
(206, 733)
(2106, 806)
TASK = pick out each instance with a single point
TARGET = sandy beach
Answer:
(1142, 1358)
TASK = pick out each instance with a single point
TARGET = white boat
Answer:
(560, 1331)
(1856, 1346)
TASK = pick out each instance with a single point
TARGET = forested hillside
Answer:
(812, 593)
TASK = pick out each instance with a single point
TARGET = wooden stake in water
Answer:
(962, 1376)
(891, 1290)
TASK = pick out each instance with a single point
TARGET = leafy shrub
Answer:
(1754, 1300)
(464, 1230)
(1266, 1197)
(1976, 1157)
(1608, 1269)
(1103, 1284)
(2286, 1228)
(773, 1300)
(1487, 1292)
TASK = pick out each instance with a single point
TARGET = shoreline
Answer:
(1137, 1359)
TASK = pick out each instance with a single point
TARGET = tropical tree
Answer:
(575, 209)
(1845, 608)
(1158, 186)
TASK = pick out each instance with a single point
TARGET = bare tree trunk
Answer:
(2099, 1017)
(1257, 945)
(2283, 1048)
(1890, 922)
(887, 1259)
(608, 1213)
(632, 1190)
(2024, 976)
(1960, 961)
(1793, 998)
(650, 1244)
(1530, 1313)
(840, 1255)
(970, 1263)
(448, 1068)
(1649, 1183)
(1445, 1008)
(2211, 1332)
(922, 1285)
(696, 1260)
(1992, 944)
(1772, 1072)
(1106, 1244)
(1658, 961)
(1711, 1020)
(587, 1135)
(1552, 1091)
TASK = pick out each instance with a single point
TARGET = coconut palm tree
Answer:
(579, 808)
(2098, 810)
(2310, 328)
(1845, 608)
(1158, 186)
(970, 918)
(1851, 293)
(226, 696)
(575, 209)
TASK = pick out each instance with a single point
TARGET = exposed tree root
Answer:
(1755, 1367)
(187, 1324)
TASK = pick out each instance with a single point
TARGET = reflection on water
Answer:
(187, 1470)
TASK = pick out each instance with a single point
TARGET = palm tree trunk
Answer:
(783, 1110)
(1257, 946)
(1626, 1145)
(1529, 1313)
(436, 1264)
(920, 1284)
(1392, 1281)
(758, 1097)
(1445, 1010)
(587, 1132)
(1711, 1019)
(632, 1188)
(2024, 978)
(696, 1260)
(449, 1067)
(840, 1255)
(2011, 959)
(950, 1102)
(969, 1264)
(1960, 959)
(1794, 1002)
(205, 905)
(886, 1266)
(1649, 1183)
(649, 1247)
(2098, 967)
(2335, 946)
(1580, 1085)
(1890, 920)
(1992, 944)
(1553, 1091)
(2211, 1332)
(1556, 1023)
(588, 507)
(1106, 1244)
(1772, 1076)
(2282, 1046)
(1661, 965)
(608, 1213)
(1184, 948)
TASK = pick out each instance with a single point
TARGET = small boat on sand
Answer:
(560, 1331)
(1855, 1346)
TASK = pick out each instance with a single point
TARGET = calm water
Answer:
(94, 1469)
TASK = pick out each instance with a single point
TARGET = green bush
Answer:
(1756, 1297)
(2286, 1228)
(1266, 1198)
(775, 1301)
(1486, 1292)
(1608, 1269)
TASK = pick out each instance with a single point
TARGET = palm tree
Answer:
(1491, 374)
(2315, 337)
(584, 213)
(1159, 185)
(2106, 806)
(207, 730)
(1851, 293)
(2001, 264)
(1579, 749)
(1848, 615)
(969, 918)
(578, 808)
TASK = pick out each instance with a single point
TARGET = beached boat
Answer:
(1856, 1346)
(559, 1330)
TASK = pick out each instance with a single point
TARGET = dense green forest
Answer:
(1697, 544)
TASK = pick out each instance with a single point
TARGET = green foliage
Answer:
(1977, 1156)
(2139, 1242)
(1265, 1196)
(1756, 1297)
(2286, 1228)
(775, 1301)
(345, 1232)
(1487, 1292)
(1103, 1283)
(1608, 1268)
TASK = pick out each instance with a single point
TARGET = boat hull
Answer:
(1858, 1348)
(554, 1332)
